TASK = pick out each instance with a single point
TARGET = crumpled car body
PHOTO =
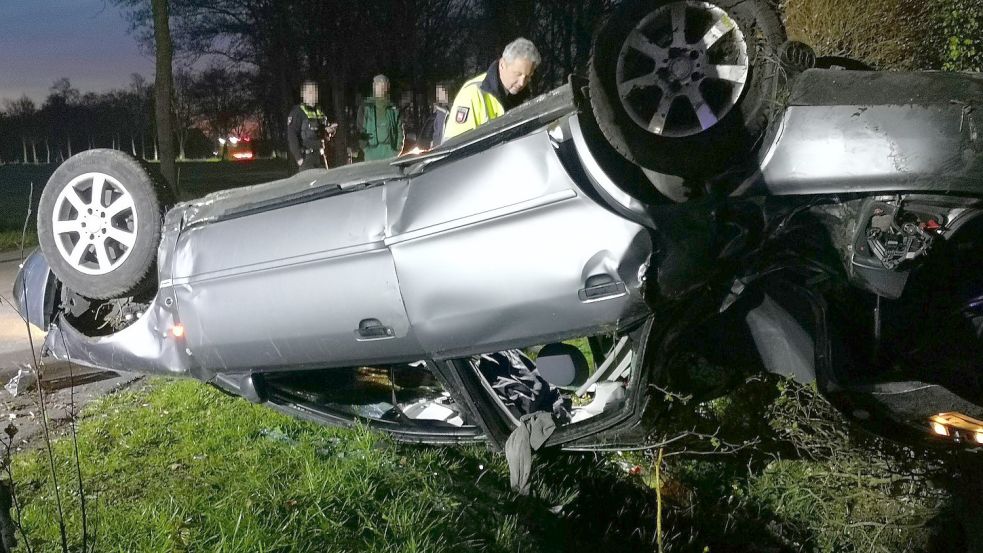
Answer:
(528, 232)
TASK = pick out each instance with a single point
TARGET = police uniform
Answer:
(305, 127)
(480, 100)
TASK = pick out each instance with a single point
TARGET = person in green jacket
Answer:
(379, 123)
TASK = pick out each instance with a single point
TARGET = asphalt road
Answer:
(15, 349)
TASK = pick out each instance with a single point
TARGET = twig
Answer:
(75, 446)
(658, 497)
(5, 461)
(37, 372)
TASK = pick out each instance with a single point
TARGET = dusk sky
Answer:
(84, 40)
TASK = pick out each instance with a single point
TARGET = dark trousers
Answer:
(312, 160)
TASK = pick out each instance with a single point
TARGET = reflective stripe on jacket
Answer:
(472, 107)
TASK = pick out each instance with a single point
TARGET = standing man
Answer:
(489, 95)
(433, 130)
(379, 123)
(308, 130)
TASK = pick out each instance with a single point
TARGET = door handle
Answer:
(602, 287)
(373, 329)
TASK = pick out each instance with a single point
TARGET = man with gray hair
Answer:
(490, 95)
(379, 123)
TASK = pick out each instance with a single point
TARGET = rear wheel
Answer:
(99, 223)
(683, 86)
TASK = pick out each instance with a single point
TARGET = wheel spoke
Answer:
(120, 205)
(73, 198)
(723, 26)
(66, 227)
(123, 237)
(642, 44)
(645, 81)
(79, 251)
(679, 24)
(102, 255)
(658, 122)
(732, 73)
(98, 185)
(703, 111)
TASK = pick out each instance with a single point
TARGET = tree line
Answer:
(69, 121)
(256, 53)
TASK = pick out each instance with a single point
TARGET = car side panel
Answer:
(494, 251)
(876, 132)
(288, 287)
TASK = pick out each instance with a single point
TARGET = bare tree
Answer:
(163, 88)
(184, 109)
(23, 111)
(222, 101)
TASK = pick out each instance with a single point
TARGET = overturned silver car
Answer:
(703, 193)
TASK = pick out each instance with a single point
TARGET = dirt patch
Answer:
(24, 411)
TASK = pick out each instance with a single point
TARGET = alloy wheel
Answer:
(682, 69)
(94, 223)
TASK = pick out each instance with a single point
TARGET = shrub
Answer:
(957, 35)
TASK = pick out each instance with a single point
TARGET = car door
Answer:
(501, 249)
(299, 283)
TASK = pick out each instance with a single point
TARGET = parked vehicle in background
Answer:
(236, 148)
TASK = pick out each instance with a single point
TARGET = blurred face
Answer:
(309, 94)
(441, 95)
(380, 89)
(516, 74)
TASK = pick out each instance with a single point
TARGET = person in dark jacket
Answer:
(433, 130)
(379, 123)
(308, 131)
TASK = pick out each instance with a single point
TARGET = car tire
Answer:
(667, 101)
(101, 247)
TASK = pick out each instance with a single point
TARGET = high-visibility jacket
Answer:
(472, 108)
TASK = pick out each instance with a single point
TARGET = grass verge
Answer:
(10, 240)
(178, 466)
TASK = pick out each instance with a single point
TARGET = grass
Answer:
(15, 187)
(812, 481)
(10, 240)
(177, 466)
(892, 34)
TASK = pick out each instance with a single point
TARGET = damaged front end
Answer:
(141, 333)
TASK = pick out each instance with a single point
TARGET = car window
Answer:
(388, 395)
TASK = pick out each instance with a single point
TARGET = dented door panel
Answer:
(292, 286)
(502, 250)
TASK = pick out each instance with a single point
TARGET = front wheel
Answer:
(99, 223)
(683, 86)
